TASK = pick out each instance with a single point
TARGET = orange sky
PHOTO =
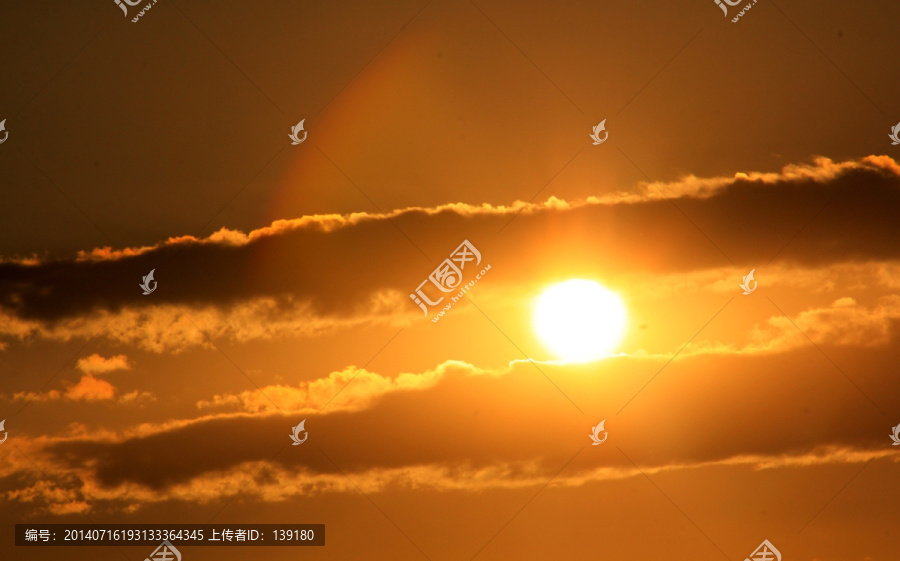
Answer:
(284, 274)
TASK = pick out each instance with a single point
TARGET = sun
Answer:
(579, 320)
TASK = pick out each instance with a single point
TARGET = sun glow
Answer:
(579, 320)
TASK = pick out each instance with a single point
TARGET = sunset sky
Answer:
(285, 274)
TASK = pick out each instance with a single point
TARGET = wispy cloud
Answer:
(97, 364)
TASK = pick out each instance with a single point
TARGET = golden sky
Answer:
(285, 271)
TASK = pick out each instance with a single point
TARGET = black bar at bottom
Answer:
(36, 535)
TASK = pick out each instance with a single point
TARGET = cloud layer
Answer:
(320, 273)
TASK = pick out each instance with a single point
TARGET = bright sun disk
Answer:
(580, 320)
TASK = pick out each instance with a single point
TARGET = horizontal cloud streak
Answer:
(60, 490)
(335, 264)
(468, 425)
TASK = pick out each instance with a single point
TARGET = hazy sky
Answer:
(284, 274)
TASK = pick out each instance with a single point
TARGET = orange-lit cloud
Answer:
(88, 388)
(502, 428)
(167, 328)
(375, 258)
(96, 364)
(356, 389)
(91, 389)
